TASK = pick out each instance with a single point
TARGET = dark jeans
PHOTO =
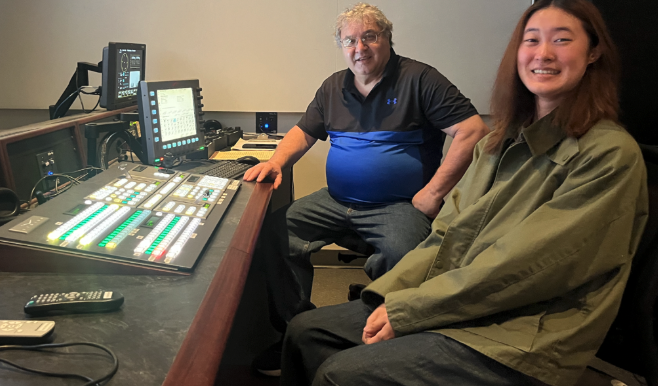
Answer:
(324, 347)
(292, 233)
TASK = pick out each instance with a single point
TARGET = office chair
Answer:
(632, 342)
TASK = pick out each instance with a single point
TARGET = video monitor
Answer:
(124, 66)
(170, 118)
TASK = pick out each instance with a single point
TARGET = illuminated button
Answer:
(130, 184)
(190, 211)
(164, 147)
(157, 139)
(108, 198)
(155, 121)
(179, 208)
(117, 200)
(152, 93)
(155, 130)
(188, 141)
(173, 144)
(169, 146)
(168, 188)
(74, 221)
(190, 196)
(178, 143)
(120, 182)
(146, 241)
(169, 206)
(152, 102)
(154, 112)
(152, 201)
(94, 233)
(140, 186)
(159, 250)
(113, 195)
(90, 223)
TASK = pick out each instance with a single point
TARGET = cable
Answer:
(95, 92)
(43, 178)
(76, 92)
(97, 103)
(42, 347)
(74, 181)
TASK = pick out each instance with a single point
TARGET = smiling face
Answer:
(553, 56)
(367, 62)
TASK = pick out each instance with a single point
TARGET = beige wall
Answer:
(257, 55)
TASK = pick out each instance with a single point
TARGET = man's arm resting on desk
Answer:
(465, 135)
(291, 148)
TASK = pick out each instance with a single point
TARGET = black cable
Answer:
(95, 92)
(74, 181)
(76, 93)
(64, 101)
(97, 103)
(43, 178)
(42, 347)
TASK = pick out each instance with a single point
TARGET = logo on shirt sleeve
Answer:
(394, 101)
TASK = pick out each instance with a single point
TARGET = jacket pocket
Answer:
(518, 332)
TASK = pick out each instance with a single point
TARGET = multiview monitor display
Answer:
(129, 72)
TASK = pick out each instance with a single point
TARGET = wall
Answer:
(257, 55)
(250, 56)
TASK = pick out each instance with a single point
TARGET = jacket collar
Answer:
(544, 137)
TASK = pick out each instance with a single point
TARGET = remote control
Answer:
(25, 331)
(95, 301)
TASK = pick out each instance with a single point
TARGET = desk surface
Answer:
(169, 326)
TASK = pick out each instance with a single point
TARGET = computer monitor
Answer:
(170, 119)
(124, 65)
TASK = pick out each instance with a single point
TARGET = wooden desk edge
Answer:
(198, 359)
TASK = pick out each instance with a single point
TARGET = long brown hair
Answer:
(593, 99)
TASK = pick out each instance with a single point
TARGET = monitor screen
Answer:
(169, 117)
(176, 113)
(129, 72)
(123, 67)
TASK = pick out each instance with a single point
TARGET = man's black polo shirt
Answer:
(387, 146)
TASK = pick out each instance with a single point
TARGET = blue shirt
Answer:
(384, 147)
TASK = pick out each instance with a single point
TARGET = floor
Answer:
(331, 286)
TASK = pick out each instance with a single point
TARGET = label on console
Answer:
(29, 225)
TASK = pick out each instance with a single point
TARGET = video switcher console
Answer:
(135, 214)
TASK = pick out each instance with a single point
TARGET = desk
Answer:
(170, 330)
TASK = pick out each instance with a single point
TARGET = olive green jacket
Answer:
(528, 259)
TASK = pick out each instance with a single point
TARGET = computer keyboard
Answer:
(227, 169)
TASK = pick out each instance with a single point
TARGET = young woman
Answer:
(526, 264)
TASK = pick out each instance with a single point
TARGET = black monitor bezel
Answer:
(109, 98)
(149, 146)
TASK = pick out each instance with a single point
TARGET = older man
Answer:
(386, 116)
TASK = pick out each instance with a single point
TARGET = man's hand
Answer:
(264, 170)
(378, 328)
(427, 202)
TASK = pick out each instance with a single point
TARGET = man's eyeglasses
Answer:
(368, 38)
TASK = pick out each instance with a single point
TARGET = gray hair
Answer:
(363, 12)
